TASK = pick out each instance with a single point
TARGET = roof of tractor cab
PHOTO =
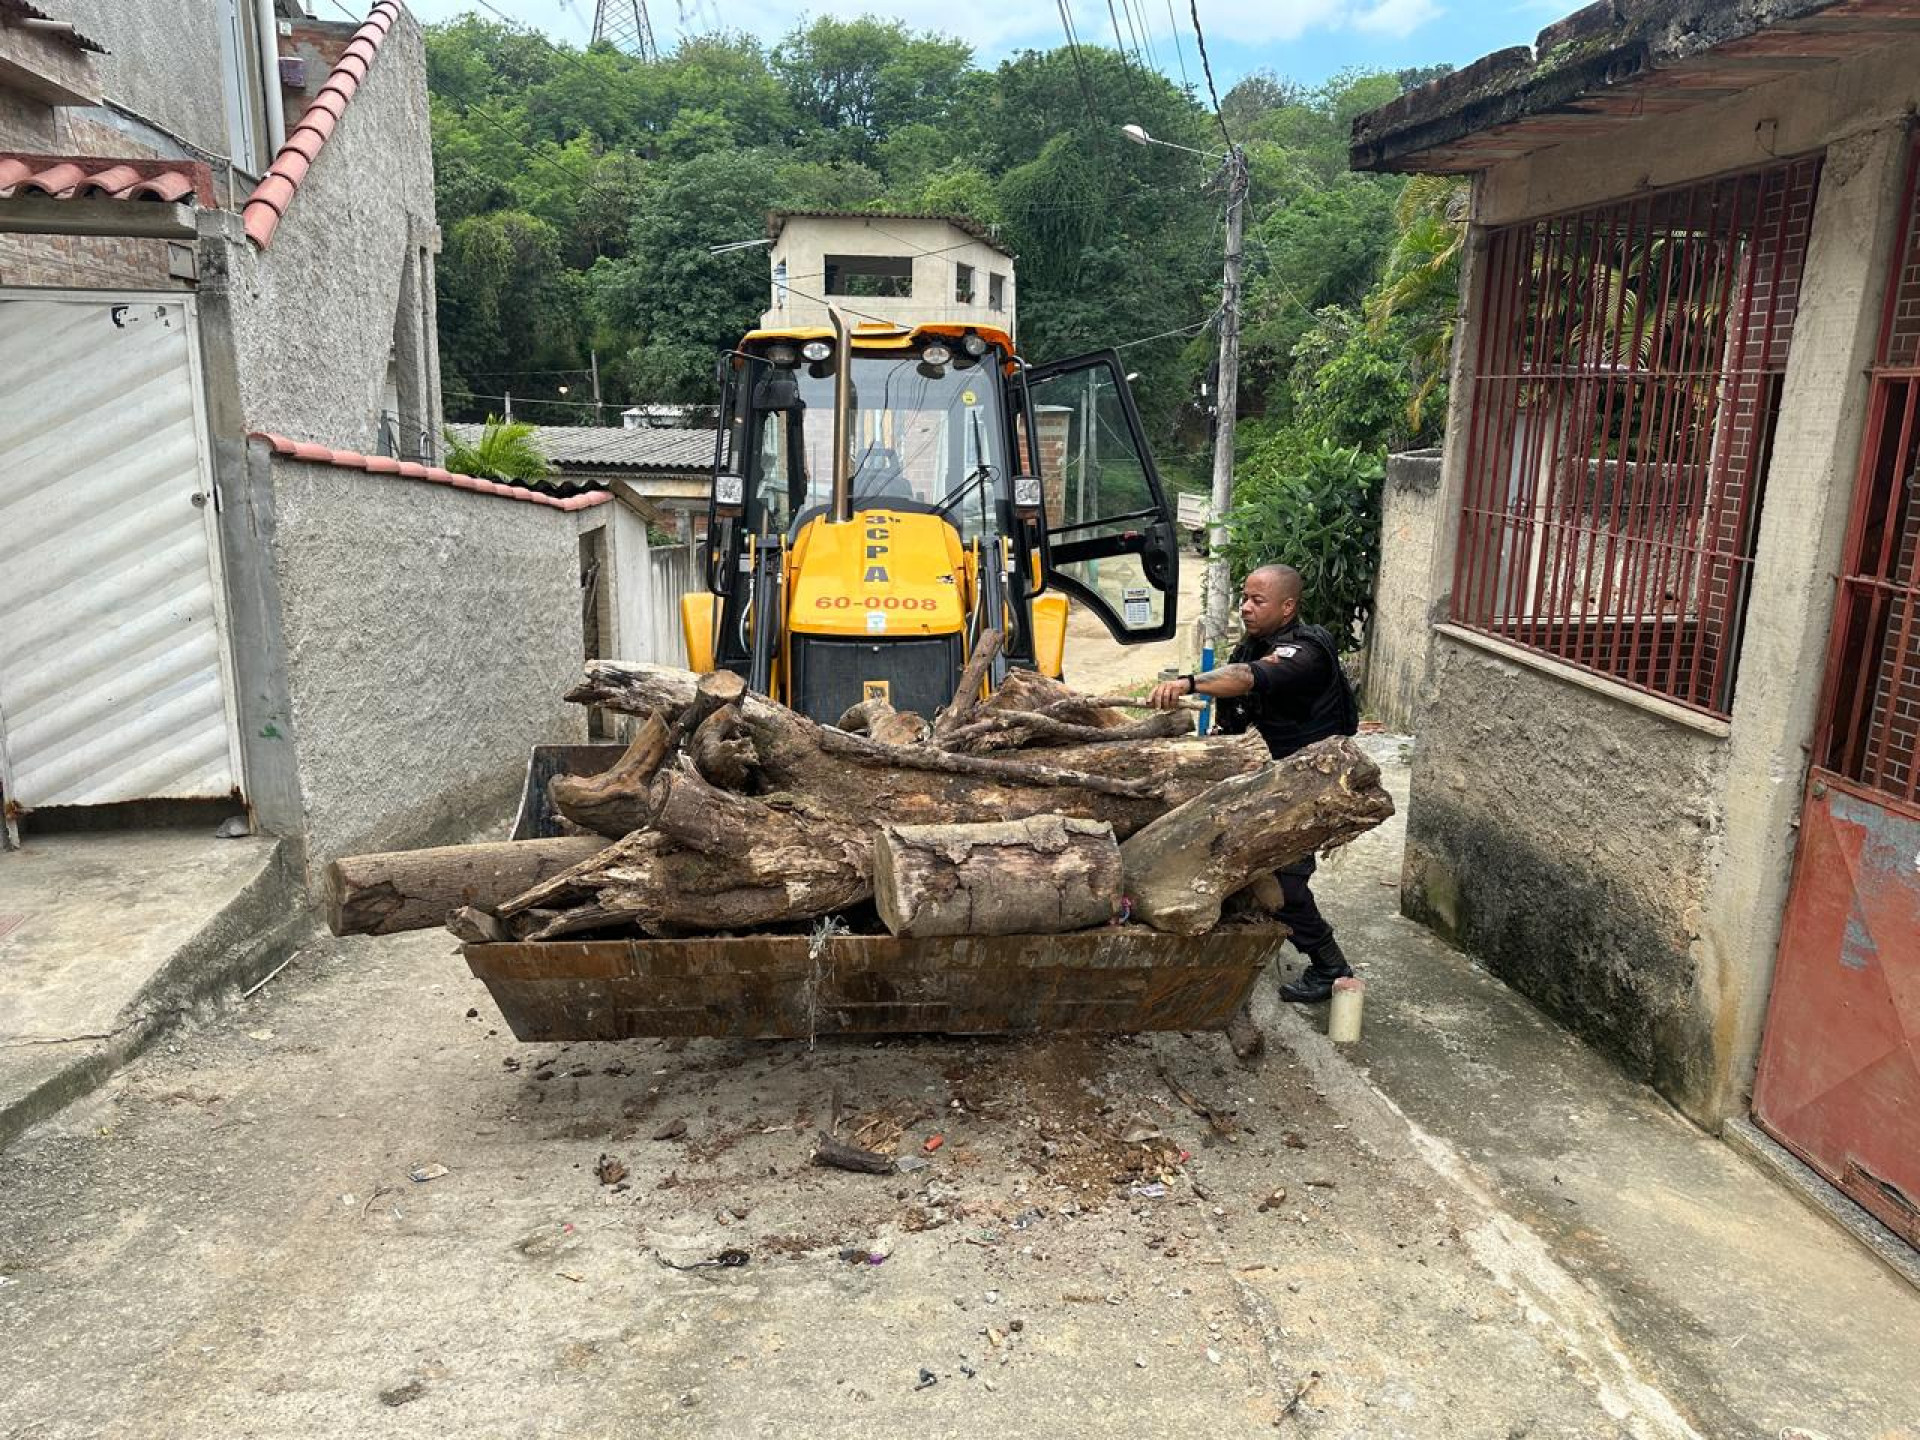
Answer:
(886, 337)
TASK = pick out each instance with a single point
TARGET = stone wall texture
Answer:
(430, 634)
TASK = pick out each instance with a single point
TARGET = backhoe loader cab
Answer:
(882, 497)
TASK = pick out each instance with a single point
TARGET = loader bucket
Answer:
(1117, 979)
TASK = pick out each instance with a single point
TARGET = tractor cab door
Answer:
(1111, 541)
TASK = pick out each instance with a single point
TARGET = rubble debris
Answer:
(729, 1259)
(420, 1174)
(839, 1155)
(672, 1130)
(610, 1170)
(403, 1394)
(549, 1240)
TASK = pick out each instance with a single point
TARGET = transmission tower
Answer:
(624, 25)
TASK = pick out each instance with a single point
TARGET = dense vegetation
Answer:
(581, 193)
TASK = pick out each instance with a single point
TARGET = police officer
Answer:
(1283, 681)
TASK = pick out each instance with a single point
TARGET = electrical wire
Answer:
(1178, 49)
(1206, 65)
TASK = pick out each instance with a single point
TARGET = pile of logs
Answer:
(1035, 810)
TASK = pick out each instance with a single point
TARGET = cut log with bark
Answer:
(1181, 868)
(1041, 876)
(714, 861)
(966, 694)
(417, 889)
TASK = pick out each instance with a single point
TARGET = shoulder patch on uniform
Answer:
(1284, 652)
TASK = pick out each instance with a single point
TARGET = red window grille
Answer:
(1628, 371)
(1873, 682)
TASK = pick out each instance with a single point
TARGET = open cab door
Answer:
(1111, 540)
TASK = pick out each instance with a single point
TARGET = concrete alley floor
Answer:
(225, 1239)
(105, 934)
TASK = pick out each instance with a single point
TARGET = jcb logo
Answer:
(877, 690)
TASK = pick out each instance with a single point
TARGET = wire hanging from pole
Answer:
(1200, 36)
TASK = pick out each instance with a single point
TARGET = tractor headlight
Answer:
(816, 351)
(974, 346)
(1026, 492)
(783, 356)
(936, 354)
(729, 491)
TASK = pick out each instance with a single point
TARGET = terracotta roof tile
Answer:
(273, 195)
(432, 474)
(67, 33)
(102, 177)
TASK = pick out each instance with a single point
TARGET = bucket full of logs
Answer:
(1037, 860)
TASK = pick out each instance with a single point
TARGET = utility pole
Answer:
(1226, 401)
(598, 417)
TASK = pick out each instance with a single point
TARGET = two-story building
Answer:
(889, 266)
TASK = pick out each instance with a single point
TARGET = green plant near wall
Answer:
(505, 451)
(1315, 505)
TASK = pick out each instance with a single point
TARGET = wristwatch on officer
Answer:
(1193, 685)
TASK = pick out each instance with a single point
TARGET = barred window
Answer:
(1626, 379)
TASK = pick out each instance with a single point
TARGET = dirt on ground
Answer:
(356, 1205)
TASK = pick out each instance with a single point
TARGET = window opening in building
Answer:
(996, 291)
(1626, 379)
(963, 284)
(877, 277)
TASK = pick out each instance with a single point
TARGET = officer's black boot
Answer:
(1314, 985)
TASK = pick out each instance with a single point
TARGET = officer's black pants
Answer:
(1300, 914)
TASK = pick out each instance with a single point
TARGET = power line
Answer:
(1200, 37)
(1178, 49)
(1192, 329)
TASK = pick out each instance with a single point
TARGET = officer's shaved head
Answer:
(1270, 598)
(1284, 578)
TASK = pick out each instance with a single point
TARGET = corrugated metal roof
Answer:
(97, 177)
(965, 224)
(607, 447)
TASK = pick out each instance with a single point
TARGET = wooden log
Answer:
(966, 694)
(839, 1155)
(884, 724)
(1018, 728)
(715, 861)
(1183, 866)
(721, 753)
(417, 889)
(1126, 783)
(614, 802)
(473, 926)
(1039, 876)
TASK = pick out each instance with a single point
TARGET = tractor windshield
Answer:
(917, 431)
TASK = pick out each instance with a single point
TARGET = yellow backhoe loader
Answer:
(883, 496)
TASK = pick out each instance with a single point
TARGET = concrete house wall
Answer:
(1619, 858)
(935, 246)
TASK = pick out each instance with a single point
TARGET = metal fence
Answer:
(1627, 373)
(1872, 730)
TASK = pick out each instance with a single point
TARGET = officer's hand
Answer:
(1168, 694)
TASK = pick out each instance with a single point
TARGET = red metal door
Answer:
(1839, 1079)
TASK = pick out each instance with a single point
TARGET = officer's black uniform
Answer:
(1299, 696)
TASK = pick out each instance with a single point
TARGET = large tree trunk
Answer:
(418, 889)
(1039, 876)
(1125, 783)
(1182, 867)
(715, 861)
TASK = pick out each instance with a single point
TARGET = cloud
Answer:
(1398, 17)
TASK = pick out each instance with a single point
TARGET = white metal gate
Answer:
(115, 676)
